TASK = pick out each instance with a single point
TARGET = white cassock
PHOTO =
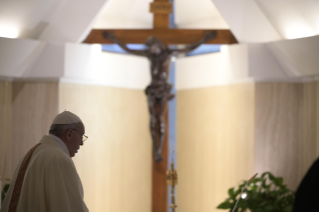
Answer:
(51, 182)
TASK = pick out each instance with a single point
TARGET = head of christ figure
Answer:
(155, 46)
(70, 129)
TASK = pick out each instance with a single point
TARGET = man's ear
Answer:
(68, 134)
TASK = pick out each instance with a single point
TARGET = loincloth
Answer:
(159, 91)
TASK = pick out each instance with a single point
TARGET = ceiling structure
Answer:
(35, 33)
(71, 20)
(123, 14)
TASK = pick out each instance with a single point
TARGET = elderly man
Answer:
(46, 178)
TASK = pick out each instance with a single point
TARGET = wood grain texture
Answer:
(161, 21)
(309, 142)
(215, 144)
(284, 130)
(35, 105)
(5, 130)
(115, 163)
(161, 8)
(167, 36)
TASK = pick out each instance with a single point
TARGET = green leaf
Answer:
(278, 181)
(263, 184)
(225, 205)
(265, 194)
(237, 192)
(264, 174)
(256, 180)
(6, 188)
(231, 193)
(271, 177)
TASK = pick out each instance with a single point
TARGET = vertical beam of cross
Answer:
(161, 20)
(159, 187)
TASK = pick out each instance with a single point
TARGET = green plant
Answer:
(5, 189)
(264, 194)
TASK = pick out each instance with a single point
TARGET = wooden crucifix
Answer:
(159, 91)
(164, 36)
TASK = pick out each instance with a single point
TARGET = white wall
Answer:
(87, 63)
(73, 21)
(294, 18)
(289, 60)
(246, 21)
(16, 52)
(49, 20)
(200, 14)
(123, 14)
(283, 61)
(82, 63)
(298, 57)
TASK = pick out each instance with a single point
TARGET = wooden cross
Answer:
(161, 30)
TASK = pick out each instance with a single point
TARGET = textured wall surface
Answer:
(115, 162)
(310, 129)
(279, 130)
(285, 129)
(5, 129)
(215, 149)
(225, 134)
(35, 104)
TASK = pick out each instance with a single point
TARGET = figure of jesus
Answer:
(159, 91)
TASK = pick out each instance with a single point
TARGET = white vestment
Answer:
(51, 182)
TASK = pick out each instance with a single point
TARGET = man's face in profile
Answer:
(75, 140)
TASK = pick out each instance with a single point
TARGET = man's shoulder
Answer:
(52, 158)
(51, 153)
(48, 144)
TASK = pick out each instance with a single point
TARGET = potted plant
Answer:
(264, 194)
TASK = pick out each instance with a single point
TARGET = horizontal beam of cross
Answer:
(167, 36)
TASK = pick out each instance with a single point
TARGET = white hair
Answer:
(59, 129)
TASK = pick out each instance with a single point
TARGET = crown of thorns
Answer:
(153, 40)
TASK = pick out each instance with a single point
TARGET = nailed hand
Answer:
(210, 35)
(109, 35)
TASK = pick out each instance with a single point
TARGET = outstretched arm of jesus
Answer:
(193, 46)
(110, 36)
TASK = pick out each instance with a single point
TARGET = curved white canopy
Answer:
(47, 36)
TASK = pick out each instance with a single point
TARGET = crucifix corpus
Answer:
(159, 55)
(158, 92)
